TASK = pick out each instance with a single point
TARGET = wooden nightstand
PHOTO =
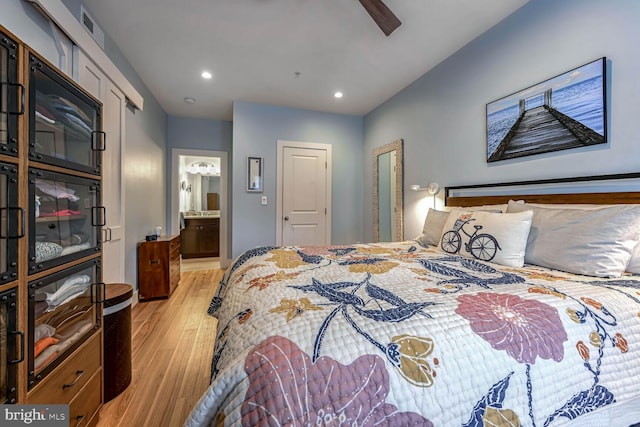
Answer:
(158, 267)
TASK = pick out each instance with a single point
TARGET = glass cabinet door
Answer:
(11, 223)
(63, 313)
(9, 90)
(64, 218)
(64, 122)
(8, 347)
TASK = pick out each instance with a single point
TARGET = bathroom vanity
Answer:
(200, 236)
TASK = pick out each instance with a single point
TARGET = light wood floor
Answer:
(191, 264)
(172, 346)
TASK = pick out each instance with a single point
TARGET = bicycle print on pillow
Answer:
(482, 246)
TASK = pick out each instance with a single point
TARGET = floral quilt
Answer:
(398, 334)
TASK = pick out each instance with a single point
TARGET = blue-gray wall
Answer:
(196, 134)
(200, 134)
(256, 130)
(441, 116)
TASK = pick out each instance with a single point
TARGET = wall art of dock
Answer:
(541, 129)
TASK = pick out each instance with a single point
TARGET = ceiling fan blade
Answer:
(382, 15)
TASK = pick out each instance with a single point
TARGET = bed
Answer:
(436, 332)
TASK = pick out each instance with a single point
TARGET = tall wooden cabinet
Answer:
(51, 216)
(11, 231)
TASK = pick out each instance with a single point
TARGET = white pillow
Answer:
(594, 242)
(487, 236)
(634, 263)
(432, 228)
(433, 223)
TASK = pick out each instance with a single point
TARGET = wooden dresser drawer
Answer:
(175, 280)
(84, 406)
(174, 251)
(63, 383)
(174, 243)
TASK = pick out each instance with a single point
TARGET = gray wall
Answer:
(441, 116)
(256, 130)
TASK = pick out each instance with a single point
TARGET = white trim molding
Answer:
(174, 186)
(57, 12)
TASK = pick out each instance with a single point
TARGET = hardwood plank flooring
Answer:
(172, 346)
(208, 263)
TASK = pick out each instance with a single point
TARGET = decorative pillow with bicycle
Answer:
(487, 236)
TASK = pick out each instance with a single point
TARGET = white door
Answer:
(113, 249)
(113, 121)
(304, 196)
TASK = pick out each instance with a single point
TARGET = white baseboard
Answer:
(134, 300)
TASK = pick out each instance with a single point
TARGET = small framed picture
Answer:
(254, 174)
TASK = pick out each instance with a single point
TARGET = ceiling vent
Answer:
(92, 28)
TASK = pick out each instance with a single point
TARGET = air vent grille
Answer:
(92, 28)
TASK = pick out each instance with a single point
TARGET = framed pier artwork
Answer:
(564, 112)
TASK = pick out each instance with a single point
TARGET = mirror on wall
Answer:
(387, 193)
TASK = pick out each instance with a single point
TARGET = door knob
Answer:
(286, 218)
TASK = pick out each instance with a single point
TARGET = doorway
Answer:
(215, 178)
(303, 203)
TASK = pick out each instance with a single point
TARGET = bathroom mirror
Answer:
(387, 193)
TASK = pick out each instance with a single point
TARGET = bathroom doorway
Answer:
(199, 181)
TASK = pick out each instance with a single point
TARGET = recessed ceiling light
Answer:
(190, 100)
(338, 94)
(206, 75)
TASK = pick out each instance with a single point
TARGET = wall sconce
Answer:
(203, 168)
(433, 188)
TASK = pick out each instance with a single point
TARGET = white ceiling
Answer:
(254, 48)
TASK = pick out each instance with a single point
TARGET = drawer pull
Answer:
(154, 261)
(78, 375)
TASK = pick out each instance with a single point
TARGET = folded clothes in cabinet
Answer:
(47, 250)
(57, 110)
(75, 248)
(42, 331)
(50, 250)
(63, 212)
(40, 345)
(71, 288)
(56, 190)
(50, 206)
(51, 352)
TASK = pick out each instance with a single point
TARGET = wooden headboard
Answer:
(574, 197)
